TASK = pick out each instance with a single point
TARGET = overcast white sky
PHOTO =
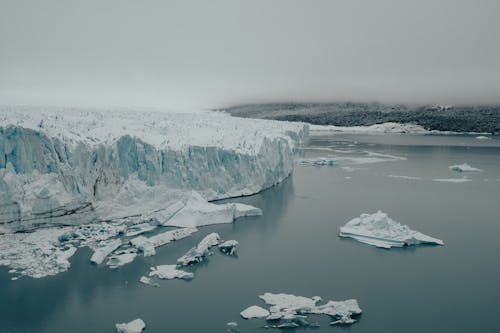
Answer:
(214, 53)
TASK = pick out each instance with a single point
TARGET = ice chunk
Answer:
(104, 249)
(199, 212)
(482, 137)
(463, 168)
(452, 180)
(122, 258)
(228, 247)
(148, 281)
(135, 326)
(169, 272)
(198, 253)
(232, 327)
(254, 311)
(380, 230)
(404, 177)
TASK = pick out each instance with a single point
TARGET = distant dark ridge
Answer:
(442, 118)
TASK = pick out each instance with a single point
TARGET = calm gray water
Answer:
(294, 248)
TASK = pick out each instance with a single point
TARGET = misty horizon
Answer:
(214, 55)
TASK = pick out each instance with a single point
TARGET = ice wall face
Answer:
(60, 166)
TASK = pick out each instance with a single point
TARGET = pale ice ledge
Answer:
(380, 230)
(463, 168)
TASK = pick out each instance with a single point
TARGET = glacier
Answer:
(71, 166)
(380, 230)
(72, 177)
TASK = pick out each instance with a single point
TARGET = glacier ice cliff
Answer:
(70, 166)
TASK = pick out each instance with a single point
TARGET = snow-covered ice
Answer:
(135, 326)
(198, 253)
(121, 258)
(463, 168)
(228, 247)
(290, 311)
(169, 272)
(254, 311)
(380, 230)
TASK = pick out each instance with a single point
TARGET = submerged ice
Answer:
(380, 230)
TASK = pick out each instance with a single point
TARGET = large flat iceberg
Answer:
(380, 230)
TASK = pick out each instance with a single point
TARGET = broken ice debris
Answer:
(196, 254)
(228, 247)
(463, 168)
(105, 249)
(135, 326)
(232, 327)
(169, 272)
(319, 161)
(290, 311)
(381, 231)
(254, 311)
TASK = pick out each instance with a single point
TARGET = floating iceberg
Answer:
(140, 228)
(381, 231)
(169, 272)
(463, 168)
(135, 326)
(148, 281)
(482, 137)
(198, 253)
(254, 311)
(318, 161)
(228, 247)
(290, 311)
(121, 258)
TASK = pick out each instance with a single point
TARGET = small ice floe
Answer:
(121, 258)
(169, 272)
(232, 327)
(482, 137)
(105, 248)
(148, 281)
(463, 168)
(198, 253)
(381, 231)
(135, 326)
(254, 311)
(290, 311)
(319, 161)
(137, 229)
(452, 180)
(228, 247)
